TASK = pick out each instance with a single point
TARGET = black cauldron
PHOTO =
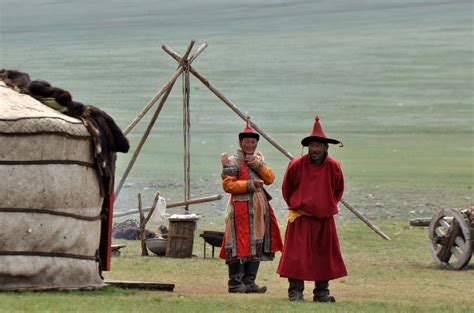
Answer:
(214, 238)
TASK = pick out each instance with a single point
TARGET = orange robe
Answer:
(252, 231)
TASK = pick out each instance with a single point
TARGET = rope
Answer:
(43, 162)
(44, 211)
(49, 254)
(40, 133)
(39, 118)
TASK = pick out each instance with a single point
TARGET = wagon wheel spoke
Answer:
(445, 224)
(460, 242)
(445, 253)
(440, 232)
(456, 253)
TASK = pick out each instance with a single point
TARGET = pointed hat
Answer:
(318, 134)
(248, 132)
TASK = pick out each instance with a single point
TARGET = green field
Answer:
(392, 79)
(384, 276)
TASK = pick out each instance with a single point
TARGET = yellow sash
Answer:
(293, 215)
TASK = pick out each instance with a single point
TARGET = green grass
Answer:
(384, 276)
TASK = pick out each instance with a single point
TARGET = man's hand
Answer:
(258, 183)
(249, 157)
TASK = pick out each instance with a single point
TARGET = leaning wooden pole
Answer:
(144, 220)
(153, 100)
(365, 220)
(242, 115)
(142, 141)
(174, 205)
(198, 52)
(280, 148)
(229, 103)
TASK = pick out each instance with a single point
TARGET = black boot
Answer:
(321, 292)
(235, 278)
(295, 290)
(250, 274)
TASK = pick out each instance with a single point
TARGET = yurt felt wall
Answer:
(50, 198)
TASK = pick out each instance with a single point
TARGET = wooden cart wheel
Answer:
(451, 239)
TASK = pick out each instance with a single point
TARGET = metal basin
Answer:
(157, 245)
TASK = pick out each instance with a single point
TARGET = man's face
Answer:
(248, 145)
(317, 151)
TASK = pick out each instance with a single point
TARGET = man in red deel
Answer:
(312, 187)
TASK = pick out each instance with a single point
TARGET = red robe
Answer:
(311, 251)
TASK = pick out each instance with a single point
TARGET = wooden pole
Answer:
(174, 205)
(229, 103)
(142, 226)
(421, 222)
(186, 125)
(184, 59)
(198, 52)
(242, 115)
(153, 207)
(365, 220)
(142, 141)
(187, 139)
(144, 220)
(280, 148)
(171, 52)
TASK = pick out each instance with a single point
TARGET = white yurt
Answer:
(50, 198)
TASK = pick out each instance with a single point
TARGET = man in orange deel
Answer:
(312, 187)
(252, 233)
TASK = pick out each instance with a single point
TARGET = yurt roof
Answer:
(20, 113)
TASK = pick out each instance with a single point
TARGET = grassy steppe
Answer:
(384, 276)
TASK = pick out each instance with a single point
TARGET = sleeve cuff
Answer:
(230, 171)
(250, 186)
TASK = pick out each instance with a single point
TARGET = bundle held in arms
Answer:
(57, 165)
